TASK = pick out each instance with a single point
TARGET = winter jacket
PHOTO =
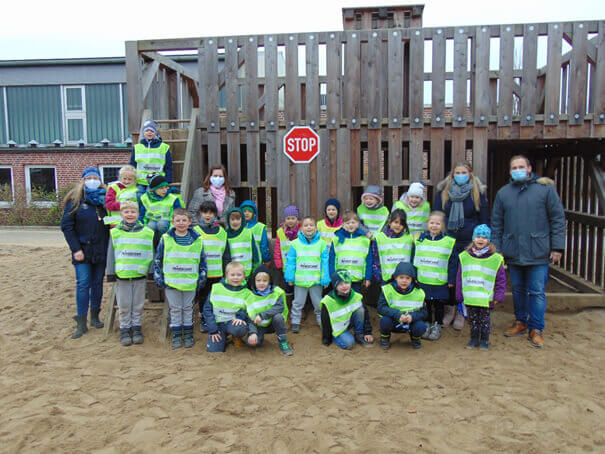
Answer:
(499, 285)
(158, 261)
(340, 236)
(242, 314)
(155, 143)
(111, 256)
(290, 269)
(385, 310)
(111, 204)
(233, 233)
(528, 221)
(212, 229)
(264, 240)
(291, 234)
(326, 323)
(85, 230)
(440, 292)
(203, 195)
(274, 310)
(154, 196)
(472, 217)
(376, 268)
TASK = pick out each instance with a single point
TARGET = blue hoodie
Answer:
(209, 308)
(154, 196)
(440, 292)
(264, 241)
(290, 269)
(155, 143)
(341, 235)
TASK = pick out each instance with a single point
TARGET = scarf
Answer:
(265, 292)
(129, 226)
(458, 194)
(480, 252)
(219, 195)
(95, 197)
(291, 233)
(335, 223)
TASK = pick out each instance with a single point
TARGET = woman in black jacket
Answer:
(87, 236)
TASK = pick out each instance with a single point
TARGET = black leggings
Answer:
(435, 310)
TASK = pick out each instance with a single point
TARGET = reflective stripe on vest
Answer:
(226, 303)
(122, 194)
(351, 256)
(257, 233)
(479, 278)
(284, 244)
(326, 232)
(214, 248)
(431, 260)
(308, 262)
(181, 263)
(404, 303)
(416, 217)
(149, 160)
(133, 252)
(340, 314)
(240, 248)
(373, 219)
(256, 304)
(157, 210)
(392, 251)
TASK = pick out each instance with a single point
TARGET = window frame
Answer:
(73, 114)
(4, 204)
(109, 166)
(28, 187)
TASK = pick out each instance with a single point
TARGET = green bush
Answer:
(22, 213)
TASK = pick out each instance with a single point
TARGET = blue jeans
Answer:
(89, 286)
(224, 329)
(161, 226)
(388, 325)
(529, 297)
(277, 326)
(346, 339)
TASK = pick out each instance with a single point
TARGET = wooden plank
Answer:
(458, 145)
(271, 86)
(395, 78)
(599, 81)
(374, 106)
(437, 154)
(334, 73)
(208, 78)
(334, 183)
(552, 91)
(312, 81)
(416, 154)
(191, 166)
(416, 71)
(529, 78)
(460, 77)
(505, 103)
(374, 150)
(233, 158)
(352, 80)
(283, 170)
(395, 157)
(214, 148)
(577, 76)
(252, 117)
(171, 64)
(149, 76)
(271, 174)
(480, 158)
(292, 84)
(230, 70)
(134, 89)
(481, 79)
(323, 172)
(438, 80)
(172, 83)
(344, 166)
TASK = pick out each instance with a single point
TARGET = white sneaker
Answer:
(435, 332)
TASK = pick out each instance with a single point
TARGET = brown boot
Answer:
(536, 339)
(449, 312)
(516, 329)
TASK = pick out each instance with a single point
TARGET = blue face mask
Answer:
(518, 175)
(461, 178)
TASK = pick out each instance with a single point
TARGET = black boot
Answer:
(94, 319)
(137, 335)
(81, 327)
(188, 337)
(125, 338)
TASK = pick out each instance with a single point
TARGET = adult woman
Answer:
(87, 236)
(215, 188)
(461, 196)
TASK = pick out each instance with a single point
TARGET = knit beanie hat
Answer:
(91, 170)
(157, 181)
(483, 231)
(339, 276)
(290, 210)
(150, 125)
(417, 189)
(374, 191)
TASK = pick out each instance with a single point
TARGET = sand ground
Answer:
(92, 395)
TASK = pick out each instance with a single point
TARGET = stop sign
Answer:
(301, 144)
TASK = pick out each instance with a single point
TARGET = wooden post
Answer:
(134, 89)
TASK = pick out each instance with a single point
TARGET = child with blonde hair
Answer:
(416, 207)
(119, 191)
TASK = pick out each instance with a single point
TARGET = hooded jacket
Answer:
(276, 309)
(233, 233)
(264, 241)
(385, 310)
(209, 308)
(499, 285)
(326, 323)
(528, 221)
(341, 235)
(153, 196)
(376, 268)
(155, 143)
(290, 269)
(440, 292)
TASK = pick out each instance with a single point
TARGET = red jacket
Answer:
(111, 204)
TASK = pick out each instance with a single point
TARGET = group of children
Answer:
(404, 255)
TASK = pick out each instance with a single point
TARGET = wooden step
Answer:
(181, 120)
(169, 141)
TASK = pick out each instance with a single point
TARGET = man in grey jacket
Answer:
(528, 227)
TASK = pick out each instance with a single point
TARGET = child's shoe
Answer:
(137, 335)
(449, 312)
(473, 343)
(434, 332)
(283, 345)
(295, 328)
(94, 319)
(385, 341)
(416, 343)
(177, 337)
(359, 338)
(458, 323)
(188, 337)
(125, 338)
(484, 344)
(238, 342)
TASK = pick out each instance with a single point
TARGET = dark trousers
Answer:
(388, 326)
(435, 310)
(202, 294)
(479, 321)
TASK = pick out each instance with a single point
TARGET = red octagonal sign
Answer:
(301, 144)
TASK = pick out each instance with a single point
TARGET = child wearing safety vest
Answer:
(157, 204)
(372, 213)
(151, 156)
(402, 307)
(225, 308)
(287, 232)
(392, 246)
(331, 221)
(214, 240)
(341, 310)
(119, 191)
(240, 241)
(350, 251)
(258, 229)
(436, 266)
(416, 208)
(129, 259)
(480, 283)
(267, 310)
(180, 269)
(307, 270)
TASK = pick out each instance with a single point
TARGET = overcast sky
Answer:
(69, 29)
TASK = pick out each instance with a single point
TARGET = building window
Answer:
(109, 174)
(41, 185)
(74, 114)
(7, 189)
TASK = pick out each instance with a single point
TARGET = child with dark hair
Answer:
(240, 241)
(331, 221)
(393, 245)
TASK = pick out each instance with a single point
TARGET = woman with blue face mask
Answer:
(462, 197)
(215, 188)
(87, 235)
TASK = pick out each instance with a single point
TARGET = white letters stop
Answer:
(301, 143)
